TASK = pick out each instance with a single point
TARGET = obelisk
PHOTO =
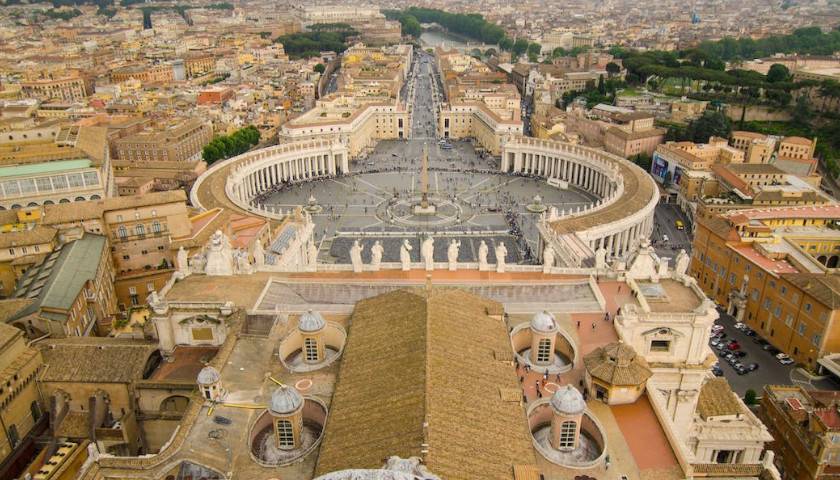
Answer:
(424, 207)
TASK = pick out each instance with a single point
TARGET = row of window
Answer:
(139, 230)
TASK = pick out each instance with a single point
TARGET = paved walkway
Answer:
(648, 443)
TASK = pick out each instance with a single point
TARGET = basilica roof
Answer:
(420, 377)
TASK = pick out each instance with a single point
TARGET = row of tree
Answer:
(312, 43)
(810, 40)
(226, 146)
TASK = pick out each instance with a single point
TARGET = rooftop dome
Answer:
(568, 401)
(285, 400)
(617, 364)
(208, 375)
(543, 322)
(311, 322)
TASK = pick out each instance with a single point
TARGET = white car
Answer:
(741, 326)
(717, 328)
(784, 359)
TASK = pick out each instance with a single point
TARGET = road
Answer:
(770, 371)
(665, 218)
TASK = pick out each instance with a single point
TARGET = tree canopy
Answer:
(226, 146)
(809, 40)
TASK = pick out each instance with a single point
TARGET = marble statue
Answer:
(259, 253)
(452, 254)
(219, 255)
(312, 254)
(744, 284)
(682, 264)
(427, 252)
(376, 252)
(501, 256)
(356, 256)
(552, 214)
(405, 255)
(183, 263)
(198, 263)
(548, 258)
(241, 263)
(663, 267)
(601, 258)
(483, 251)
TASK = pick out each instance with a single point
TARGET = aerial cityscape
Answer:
(419, 240)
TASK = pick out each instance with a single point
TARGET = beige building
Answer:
(178, 141)
(71, 290)
(66, 89)
(21, 412)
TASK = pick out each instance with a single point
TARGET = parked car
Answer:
(721, 346)
(740, 326)
(729, 356)
(717, 371)
(717, 328)
(740, 369)
(749, 332)
(774, 351)
(732, 361)
(760, 341)
(715, 342)
(740, 354)
(752, 367)
(734, 346)
(784, 359)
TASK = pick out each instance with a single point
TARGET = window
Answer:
(285, 434)
(567, 434)
(208, 392)
(150, 287)
(789, 320)
(544, 351)
(755, 294)
(801, 329)
(310, 347)
(140, 230)
(777, 312)
(767, 304)
(808, 307)
(122, 232)
(155, 227)
(783, 289)
(660, 345)
(11, 251)
(815, 341)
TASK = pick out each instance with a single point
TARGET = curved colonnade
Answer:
(617, 223)
(252, 173)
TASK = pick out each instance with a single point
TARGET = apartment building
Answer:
(775, 270)
(68, 88)
(178, 141)
(757, 148)
(159, 73)
(633, 134)
(805, 425)
(199, 64)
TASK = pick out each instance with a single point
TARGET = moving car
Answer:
(679, 224)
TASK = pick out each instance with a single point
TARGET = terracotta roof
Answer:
(34, 236)
(825, 288)
(617, 364)
(94, 359)
(406, 367)
(716, 399)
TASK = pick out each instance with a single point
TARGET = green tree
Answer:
(506, 44)
(710, 124)
(411, 26)
(613, 69)
(602, 89)
(802, 111)
(520, 46)
(319, 68)
(750, 397)
(534, 49)
(778, 73)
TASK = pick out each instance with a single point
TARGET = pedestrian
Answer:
(521, 379)
(619, 288)
(578, 323)
(539, 394)
(558, 378)
(593, 325)
(545, 375)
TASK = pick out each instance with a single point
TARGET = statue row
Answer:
(427, 248)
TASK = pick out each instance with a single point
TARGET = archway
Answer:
(80, 199)
(174, 403)
(823, 259)
(64, 200)
(95, 197)
(832, 261)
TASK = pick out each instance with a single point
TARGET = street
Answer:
(665, 225)
(770, 371)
